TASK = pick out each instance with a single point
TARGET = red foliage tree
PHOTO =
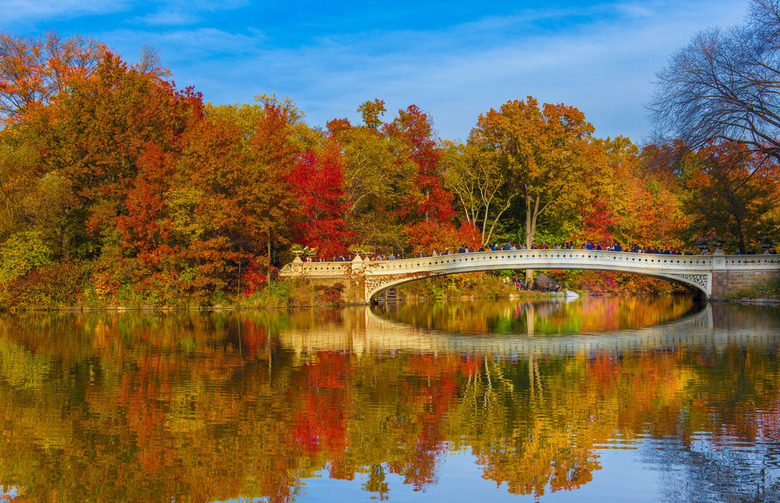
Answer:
(318, 184)
(415, 129)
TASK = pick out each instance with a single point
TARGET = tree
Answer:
(232, 200)
(544, 153)
(378, 176)
(729, 196)
(33, 70)
(96, 133)
(21, 253)
(723, 85)
(429, 200)
(318, 184)
(482, 188)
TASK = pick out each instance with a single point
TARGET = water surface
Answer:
(589, 401)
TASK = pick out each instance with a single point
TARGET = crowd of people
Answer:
(510, 246)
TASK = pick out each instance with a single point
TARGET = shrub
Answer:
(47, 286)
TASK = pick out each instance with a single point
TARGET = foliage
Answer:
(482, 285)
(544, 151)
(318, 185)
(432, 236)
(730, 195)
(480, 184)
(21, 253)
(48, 286)
(33, 70)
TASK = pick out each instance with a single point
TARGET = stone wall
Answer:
(725, 282)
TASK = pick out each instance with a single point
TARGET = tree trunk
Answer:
(530, 231)
(268, 269)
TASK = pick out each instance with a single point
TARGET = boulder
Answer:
(546, 283)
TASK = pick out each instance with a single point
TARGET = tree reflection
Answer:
(145, 408)
(542, 317)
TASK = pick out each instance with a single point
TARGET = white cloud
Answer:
(635, 10)
(189, 48)
(37, 10)
(169, 18)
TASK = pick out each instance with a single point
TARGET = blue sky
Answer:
(454, 59)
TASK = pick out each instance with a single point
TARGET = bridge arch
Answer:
(697, 289)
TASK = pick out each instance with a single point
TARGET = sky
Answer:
(454, 59)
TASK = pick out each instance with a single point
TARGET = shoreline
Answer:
(152, 308)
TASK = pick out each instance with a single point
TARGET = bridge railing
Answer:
(542, 258)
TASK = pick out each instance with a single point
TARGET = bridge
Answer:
(710, 276)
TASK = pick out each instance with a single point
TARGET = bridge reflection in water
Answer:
(361, 329)
(697, 395)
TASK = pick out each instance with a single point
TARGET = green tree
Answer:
(473, 173)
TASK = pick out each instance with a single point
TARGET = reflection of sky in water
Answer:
(623, 477)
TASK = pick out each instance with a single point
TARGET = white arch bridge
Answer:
(712, 276)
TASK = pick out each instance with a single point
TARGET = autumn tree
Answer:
(627, 201)
(378, 176)
(544, 151)
(33, 70)
(105, 150)
(415, 130)
(730, 193)
(426, 210)
(317, 182)
(482, 188)
(232, 187)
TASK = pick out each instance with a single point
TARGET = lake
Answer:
(630, 399)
